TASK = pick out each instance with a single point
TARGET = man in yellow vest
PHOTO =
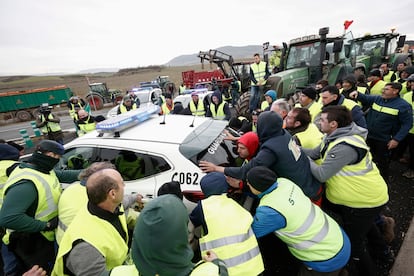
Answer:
(219, 109)
(48, 123)
(387, 74)
(29, 209)
(409, 139)
(167, 106)
(87, 123)
(307, 99)
(182, 88)
(96, 241)
(375, 82)
(299, 125)
(311, 235)
(126, 105)
(160, 242)
(355, 189)
(226, 228)
(259, 73)
(196, 106)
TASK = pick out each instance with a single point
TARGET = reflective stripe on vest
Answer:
(409, 99)
(4, 165)
(220, 111)
(384, 109)
(109, 242)
(199, 110)
(357, 185)
(310, 234)
(48, 195)
(53, 126)
(259, 72)
(236, 244)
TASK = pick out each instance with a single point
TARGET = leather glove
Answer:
(51, 224)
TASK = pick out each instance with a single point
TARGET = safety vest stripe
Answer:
(386, 110)
(315, 239)
(369, 167)
(237, 260)
(61, 225)
(226, 241)
(51, 205)
(304, 227)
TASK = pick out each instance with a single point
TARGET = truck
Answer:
(23, 105)
(307, 60)
(99, 94)
(372, 50)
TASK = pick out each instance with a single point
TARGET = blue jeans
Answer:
(255, 95)
(10, 263)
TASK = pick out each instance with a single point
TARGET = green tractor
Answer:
(372, 50)
(307, 60)
(99, 94)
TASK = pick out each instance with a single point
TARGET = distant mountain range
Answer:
(241, 52)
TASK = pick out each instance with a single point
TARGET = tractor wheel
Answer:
(95, 101)
(242, 105)
(23, 116)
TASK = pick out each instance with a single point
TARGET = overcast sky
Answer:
(50, 36)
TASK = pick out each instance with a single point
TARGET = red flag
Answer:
(347, 23)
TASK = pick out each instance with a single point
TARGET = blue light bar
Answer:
(127, 120)
(197, 90)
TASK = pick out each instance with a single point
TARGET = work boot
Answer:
(409, 174)
(388, 229)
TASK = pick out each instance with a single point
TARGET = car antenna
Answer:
(163, 120)
(192, 123)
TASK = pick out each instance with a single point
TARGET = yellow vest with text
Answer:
(357, 185)
(220, 111)
(68, 207)
(107, 240)
(230, 236)
(53, 126)
(310, 137)
(198, 110)
(123, 108)
(48, 193)
(259, 72)
(310, 234)
(409, 99)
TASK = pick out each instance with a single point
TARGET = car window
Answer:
(76, 159)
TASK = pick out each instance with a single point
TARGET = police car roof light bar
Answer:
(127, 120)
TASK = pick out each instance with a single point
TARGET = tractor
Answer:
(162, 82)
(99, 94)
(372, 50)
(308, 59)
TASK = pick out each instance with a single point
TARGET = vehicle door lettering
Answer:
(188, 178)
(216, 143)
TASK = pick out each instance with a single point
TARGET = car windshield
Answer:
(207, 143)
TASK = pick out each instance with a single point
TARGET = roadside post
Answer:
(36, 131)
(26, 138)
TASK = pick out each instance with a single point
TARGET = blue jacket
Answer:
(383, 123)
(280, 153)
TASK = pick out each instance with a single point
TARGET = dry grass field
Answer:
(124, 79)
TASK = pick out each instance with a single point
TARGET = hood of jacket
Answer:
(269, 124)
(352, 129)
(160, 240)
(251, 141)
(218, 95)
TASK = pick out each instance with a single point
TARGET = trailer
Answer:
(24, 105)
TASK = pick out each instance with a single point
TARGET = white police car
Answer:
(152, 150)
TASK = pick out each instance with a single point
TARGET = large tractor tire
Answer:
(95, 101)
(242, 105)
(23, 116)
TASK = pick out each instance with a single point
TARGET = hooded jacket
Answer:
(226, 108)
(251, 141)
(279, 152)
(160, 244)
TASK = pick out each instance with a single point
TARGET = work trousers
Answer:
(256, 93)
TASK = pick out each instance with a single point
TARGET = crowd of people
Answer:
(314, 175)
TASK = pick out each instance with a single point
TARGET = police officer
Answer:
(29, 210)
